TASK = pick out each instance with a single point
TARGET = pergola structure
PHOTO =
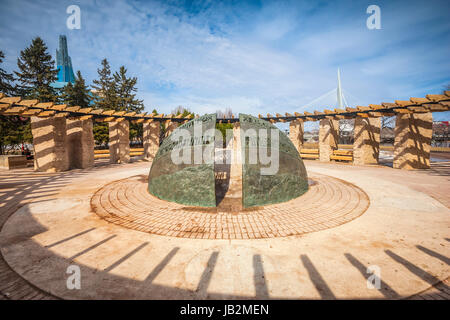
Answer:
(63, 135)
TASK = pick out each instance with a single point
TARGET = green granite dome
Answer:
(290, 180)
(193, 183)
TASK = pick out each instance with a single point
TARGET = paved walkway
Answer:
(329, 203)
(404, 232)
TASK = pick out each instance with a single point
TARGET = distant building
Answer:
(441, 134)
(64, 65)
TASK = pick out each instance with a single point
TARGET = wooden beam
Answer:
(73, 109)
(30, 112)
(46, 113)
(420, 100)
(28, 103)
(64, 114)
(403, 103)
(435, 107)
(4, 105)
(402, 110)
(437, 97)
(10, 100)
(418, 109)
(96, 111)
(44, 105)
(59, 107)
(14, 110)
(85, 110)
(388, 105)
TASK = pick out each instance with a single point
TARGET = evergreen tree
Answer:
(66, 96)
(36, 72)
(103, 99)
(14, 130)
(104, 88)
(101, 132)
(76, 94)
(6, 79)
(125, 89)
(125, 98)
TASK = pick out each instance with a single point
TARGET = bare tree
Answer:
(179, 110)
(226, 114)
(346, 127)
(387, 122)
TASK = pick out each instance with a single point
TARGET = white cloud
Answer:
(273, 58)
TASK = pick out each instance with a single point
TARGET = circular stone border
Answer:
(328, 203)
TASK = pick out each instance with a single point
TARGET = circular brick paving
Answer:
(329, 202)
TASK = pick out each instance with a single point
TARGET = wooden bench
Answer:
(101, 154)
(309, 153)
(342, 155)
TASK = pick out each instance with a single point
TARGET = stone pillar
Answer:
(151, 138)
(296, 133)
(412, 143)
(80, 138)
(119, 142)
(366, 145)
(50, 144)
(171, 125)
(328, 138)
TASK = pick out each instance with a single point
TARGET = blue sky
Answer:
(255, 57)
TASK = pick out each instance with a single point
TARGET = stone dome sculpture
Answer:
(265, 166)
